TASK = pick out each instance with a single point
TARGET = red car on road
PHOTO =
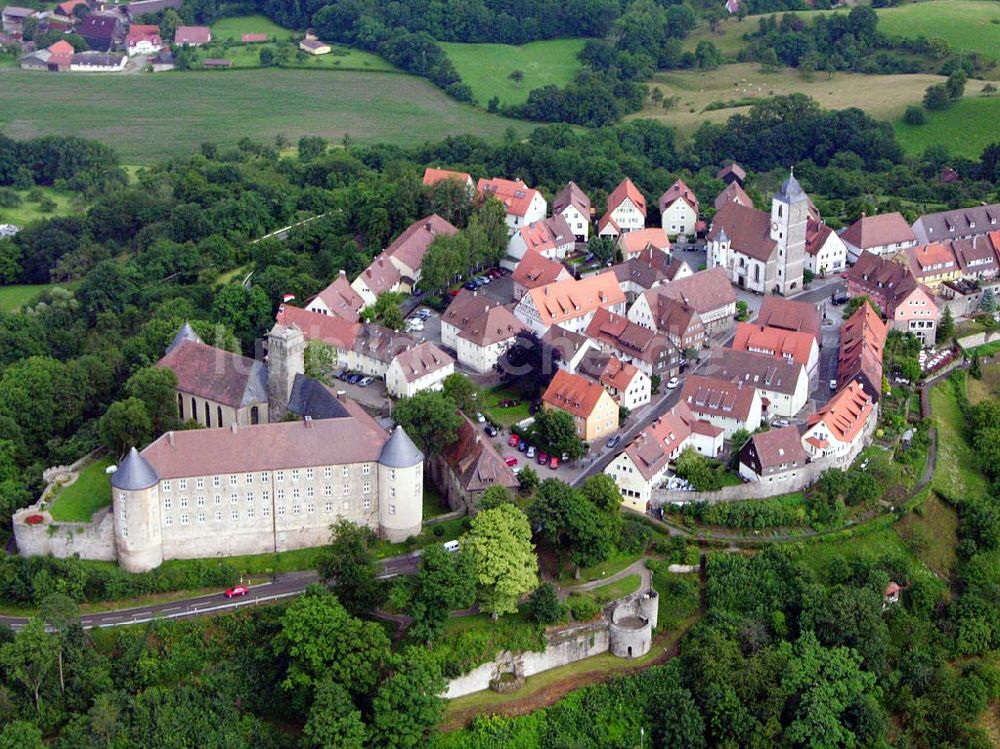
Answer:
(511, 461)
(237, 590)
(543, 458)
(553, 462)
(514, 440)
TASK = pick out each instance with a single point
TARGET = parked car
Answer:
(522, 446)
(511, 461)
(451, 546)
(672, 383)
(491, 430)
(613, 441)
(354, 379)
(839, 299)
(531, 452)
(543, 458)
(833, 385)
(553, 462)
(514, 440)
(237, 590)
(366, 381)
(779, 423)
(480, 418)
(471, 286)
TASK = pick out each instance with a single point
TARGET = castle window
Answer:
(232, 479)
(168, 520)
(310, 492)
(392, 492)
(184, 518)
(392, 509)
(366, 503)
(295, 474)
(167, 502)
(310, 508)
(249, 513)
(392, 474)
(279, 476)
(309, 474)
(201, 517)
(265, 496)
(295, 493)
(218, 516)
(216, 481)
(249, 496)
(263, 477)
(234, 498)
(366, 469)
(296, 510)
(208, 420)
(218, 499)
(194, 409)
(235, 514)
(180, 406)
(347, 489)
(165, 486)
(281, 511)
(345, 472)
(328, 472)
(279, 494)
(200, 501)
(182, 485)
(184, 502)
(328, 508)
(199, 483)
(218, 413)
(327, 491)
(249, 478)
(254, 415)
(266, 512)
(366, 487)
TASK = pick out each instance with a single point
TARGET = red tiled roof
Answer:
(634, 242)
(480, 320)
(193, 35)
(733, 194)
(380, 275)
(748, 229)
(922, 258)
(777, 447)
(862, 341)
(143, 32)
(421, 360)
(788, 314)
(977, 254)
(618, 374)
(878, 231)
(410, 247)
(631, 339)
(537, 270)
(678, 191)
(606, 220)
(816, 235)
(573, 394)
(342, 301)
(715, 397)
(514, 194)
(705, 291)
(253, 38)
(216, 374)
(565, 300)
(763, 339)
(61, 48)
(846, 413)
(547, 234)
(432, 176)
(626, 189)
(650, 451)
(475, 462)
(572, 195)
(733, 168)
(883, 279)
(315, 326)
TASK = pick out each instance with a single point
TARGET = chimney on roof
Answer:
(343, 273)
(307, 421)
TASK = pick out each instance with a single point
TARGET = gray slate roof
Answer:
(399, 451)
(186, 333)
(791, 191)
(134, 474)
(314, 399)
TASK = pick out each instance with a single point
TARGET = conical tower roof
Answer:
(134, 473)
(791, 191)
(723, 237)
(186, 333)
(399, 451)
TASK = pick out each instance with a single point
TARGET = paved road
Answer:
(284, 586)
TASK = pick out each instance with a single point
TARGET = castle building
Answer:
(264, 488)
(760, 252)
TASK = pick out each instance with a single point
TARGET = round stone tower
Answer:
(400, 487)
(136, 504)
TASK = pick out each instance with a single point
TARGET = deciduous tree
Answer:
(430, 418)
(349, 568)
(499, 542)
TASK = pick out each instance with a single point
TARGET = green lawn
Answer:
(487, 67)
(615, 564)
(956, 472)
(618, 589)
(503, 416)
(180, 110)
(235, 27)
(966, 128)
(967, 25)
(30, 211)
(434, 503)
(342, 58)
(90, 492)
(931, 532)
(679, 595)
(12, 298)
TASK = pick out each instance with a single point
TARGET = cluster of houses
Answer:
(109, 30)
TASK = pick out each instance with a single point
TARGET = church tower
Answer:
(286, 348)
(789, 219)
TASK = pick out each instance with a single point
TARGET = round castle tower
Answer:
(136, 504)
(400, 487)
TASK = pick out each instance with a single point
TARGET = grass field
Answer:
(487, 67)
(967, 128)
(29, 211)
(237, 26)
(90, 492)
(181, 110)
(967, 25)
(882, 96)
(957, 472)
(503, 416)
(932, 534)
(988, 387)
(342, 58)
(12, 298)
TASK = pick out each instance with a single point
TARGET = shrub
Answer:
(544, 606)
(583, 608)
(914, 115)
(438, 530)
(636, 537)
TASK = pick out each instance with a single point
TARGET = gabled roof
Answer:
(192, 35)
(316, 326)
(883, 278)
(777, 447)
(514, 194)
(650, 451)
(789, 314)
(732, 168)
(674, 317)
(757, 370)
(138, 32)
(846, 413)
(15, 11)
(312, 398)
(678, 191)
(706, 291)
(715, 397)
(626, 189)
(410, 247)
(381, 343)
(537, 270)
(634, 242)
(216, 374)
(567, 342)
(960, 222)
(66, 8)
(480, 320)
(764, 339)
(977, 254)
(733, 194)
(98, 26)
(432, 176)
(380, 275)
(342, 300)
(547, 234)
(650, 267)
(421, 360)
(931, 259)
(565, 300)
(572, 195)
(61, 48)
(605, 221)
(748, 229)
(617, 374)
(879, 231)
(475, 462)
(862, 341)
(816, 235)
(572, 393)
(620, 333)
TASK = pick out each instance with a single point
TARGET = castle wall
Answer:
(93, 540)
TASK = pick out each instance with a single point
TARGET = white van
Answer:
(451, 546)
